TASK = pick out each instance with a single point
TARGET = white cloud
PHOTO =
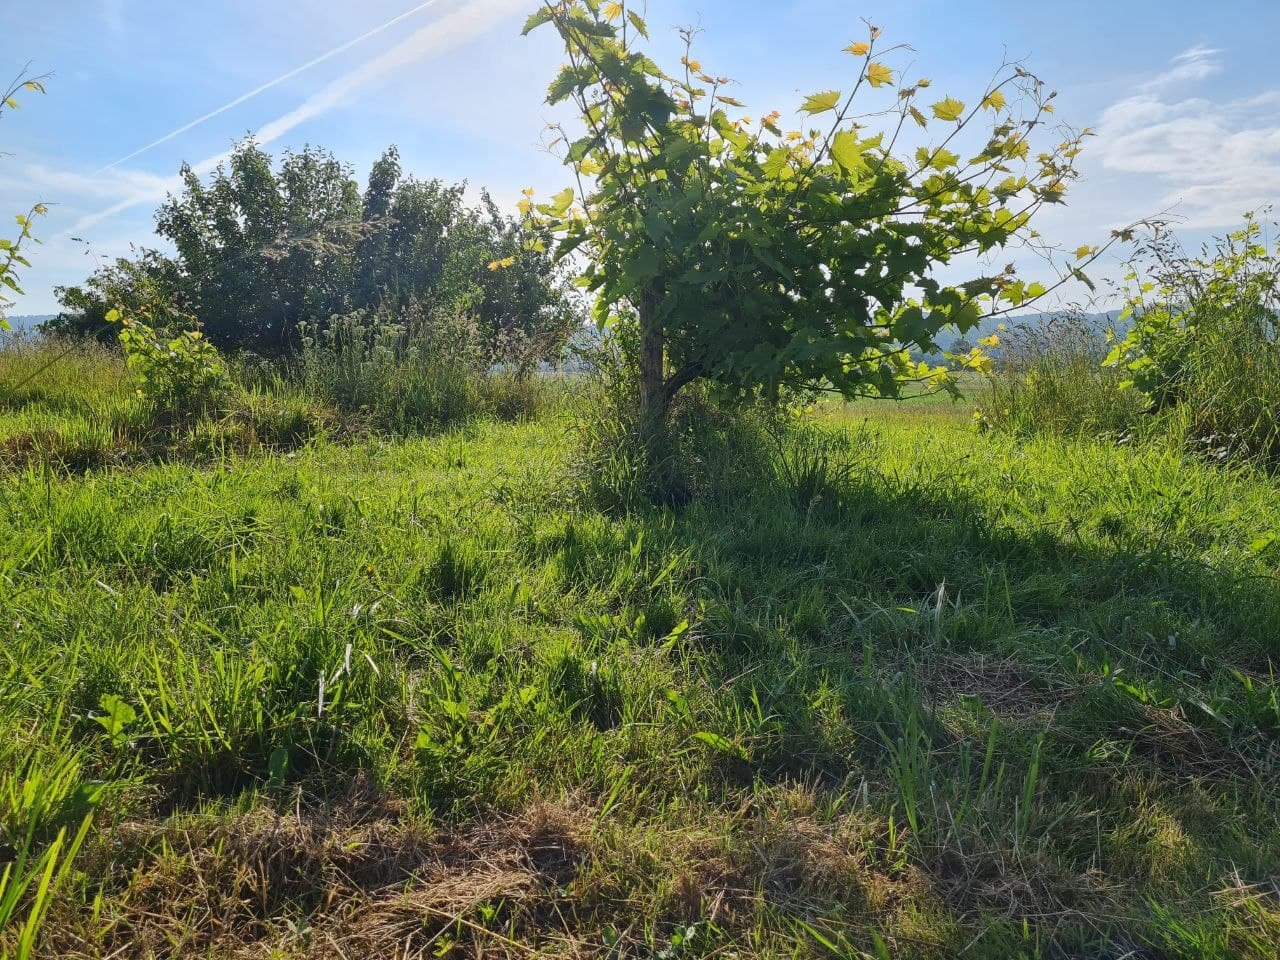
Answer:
(1211, 159)
(1197, 63)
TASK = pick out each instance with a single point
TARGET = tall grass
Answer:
(1050, 379)
(74, 406)
(83, 376)
(1196, 361)
(418, 371)
(77, 406)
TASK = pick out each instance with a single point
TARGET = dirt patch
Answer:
(1015, 691)
(355, 881)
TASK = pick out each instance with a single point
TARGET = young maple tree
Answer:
(765, 259)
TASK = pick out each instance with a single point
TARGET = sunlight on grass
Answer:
(861, 697)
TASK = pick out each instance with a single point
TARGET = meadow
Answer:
(885, 687)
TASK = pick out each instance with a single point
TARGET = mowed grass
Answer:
(902, 691)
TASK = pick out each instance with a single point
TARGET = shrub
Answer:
(178, 373)
(1203, 350)
(1050, 378)
(260, 247)
(763, 260)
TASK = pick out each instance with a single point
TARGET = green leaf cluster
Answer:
(11, 248)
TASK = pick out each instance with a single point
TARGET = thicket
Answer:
(262, 249)
(1193, 358)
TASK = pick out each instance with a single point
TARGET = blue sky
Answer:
(1186, 105)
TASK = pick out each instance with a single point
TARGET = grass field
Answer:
(902, 690)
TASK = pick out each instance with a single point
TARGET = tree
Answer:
(262, 248)
(765, 260)
(150, 284)
(11, 255)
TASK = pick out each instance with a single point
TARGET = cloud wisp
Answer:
(1192, 64)
(1214, 158)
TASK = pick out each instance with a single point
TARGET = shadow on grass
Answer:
(1071, 721)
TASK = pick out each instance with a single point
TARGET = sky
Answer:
(1180, 93)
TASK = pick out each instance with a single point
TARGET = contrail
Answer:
(461, 26)
(328, 55)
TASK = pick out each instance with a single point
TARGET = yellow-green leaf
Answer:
(994, 101)
(948, 109)
(859, 49)
(560, 203)
(878, 74)
(612, 11)
(846, 150)
(821, 102)
(1084, 251)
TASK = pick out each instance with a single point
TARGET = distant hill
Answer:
(29, 321)
(987, 327)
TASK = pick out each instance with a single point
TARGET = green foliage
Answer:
(150, 283)
(263, 248)
(178, 372)
(12, 257)
(769, 260)
(1203, 346)
(1197, 363)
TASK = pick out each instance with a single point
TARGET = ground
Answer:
(904, 690)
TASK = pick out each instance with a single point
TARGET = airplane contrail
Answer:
(327, 55)
(461, 26)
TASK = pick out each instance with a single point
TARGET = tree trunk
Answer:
(654, 398)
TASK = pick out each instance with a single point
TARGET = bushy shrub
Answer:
(179, 373)
(1203, 348)
(1050, 378)
(261, 247)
